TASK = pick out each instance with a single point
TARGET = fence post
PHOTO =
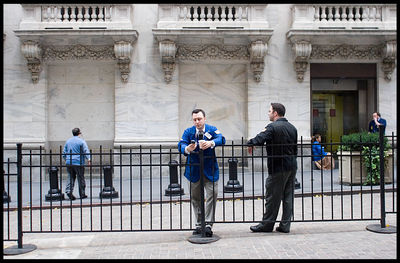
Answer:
(6, 197)
(382, 228)
(174, 188)
(19, 248)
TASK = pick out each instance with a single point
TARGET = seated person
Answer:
(322, 159)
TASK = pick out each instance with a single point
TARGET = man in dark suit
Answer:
(189, 145)
(280, 138)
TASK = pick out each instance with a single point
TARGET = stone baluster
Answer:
(101, 15)
(45, 15)
(365, 13)
(351, 13)
(330, 15)
(245, 13)
(230, 15)
(323, 14)
(187, 13)
(357, 16)
(80, 16)
(316, 13)
(58, 13)
(180, 13)
(344, 14)
(195, 14)
(209, 14)
(86, 16)
(65, 15)
(337, 14)
(52, 15)
(202, 13)
(73, 15)
(107, 13)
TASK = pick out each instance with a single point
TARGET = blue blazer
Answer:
(318, 151)
(192, 171)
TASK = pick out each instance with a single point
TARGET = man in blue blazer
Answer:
(190, 145)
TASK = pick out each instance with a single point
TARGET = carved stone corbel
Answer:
(302, 50)
(168, 52)
(257, 50)
(389, 59)
(123, 51)
(33, 54)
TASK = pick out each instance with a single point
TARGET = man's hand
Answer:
(205, 144)
(250, 149)
(190, 147)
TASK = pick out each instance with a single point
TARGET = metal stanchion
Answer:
(233, 185)
(54, 193)
(174, 188)
(108, 189)
(382, 227)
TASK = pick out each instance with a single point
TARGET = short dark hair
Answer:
(195, 111)
(76, 131)
(279, 108)
(378, 114)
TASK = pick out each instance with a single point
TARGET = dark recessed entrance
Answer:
(343, 98)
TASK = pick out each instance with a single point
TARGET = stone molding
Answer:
(35, 54)
(389, 53)
(346, 51)
(123, 51)
(302, 50)
(32, 51)
(168, 54)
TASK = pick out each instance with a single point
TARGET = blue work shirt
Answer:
(318, 151)
(192, 172)
(74, 145)
(372, 127)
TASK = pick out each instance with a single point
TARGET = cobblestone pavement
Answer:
(307, 240)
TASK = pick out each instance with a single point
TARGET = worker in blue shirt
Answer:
(190, 145)
(323, 160)
(74, 153)
(376, 122)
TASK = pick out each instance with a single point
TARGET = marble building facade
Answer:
(130, 74)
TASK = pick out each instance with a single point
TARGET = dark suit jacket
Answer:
(280, 138)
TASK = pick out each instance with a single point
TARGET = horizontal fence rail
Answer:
(144, 189)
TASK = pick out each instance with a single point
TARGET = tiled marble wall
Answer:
(221, 91)
(81, 94)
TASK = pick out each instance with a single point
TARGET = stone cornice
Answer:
(78, 52)
(214, 52)
(346, 51)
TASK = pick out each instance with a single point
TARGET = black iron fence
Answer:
(144, 189)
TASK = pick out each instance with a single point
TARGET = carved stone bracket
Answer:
(257, 50)
(168, 54)
(123, 51)
(32, 52)
(302, 50)
(389, 59)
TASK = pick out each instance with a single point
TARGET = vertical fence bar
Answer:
(19, 192)
(382, 176)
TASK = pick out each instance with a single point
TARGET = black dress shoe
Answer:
(279, 229)
(84, 196)
(71, 196)
(197, 231)
(260, 228)
(208, 231)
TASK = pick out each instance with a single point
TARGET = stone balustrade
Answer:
(76, 16)
(212, 16)
(344, 16)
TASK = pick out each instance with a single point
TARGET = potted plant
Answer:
(359, 159)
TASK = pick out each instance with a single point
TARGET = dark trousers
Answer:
(73, 172)
(279, 187)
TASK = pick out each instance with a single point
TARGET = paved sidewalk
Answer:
(307, 240)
